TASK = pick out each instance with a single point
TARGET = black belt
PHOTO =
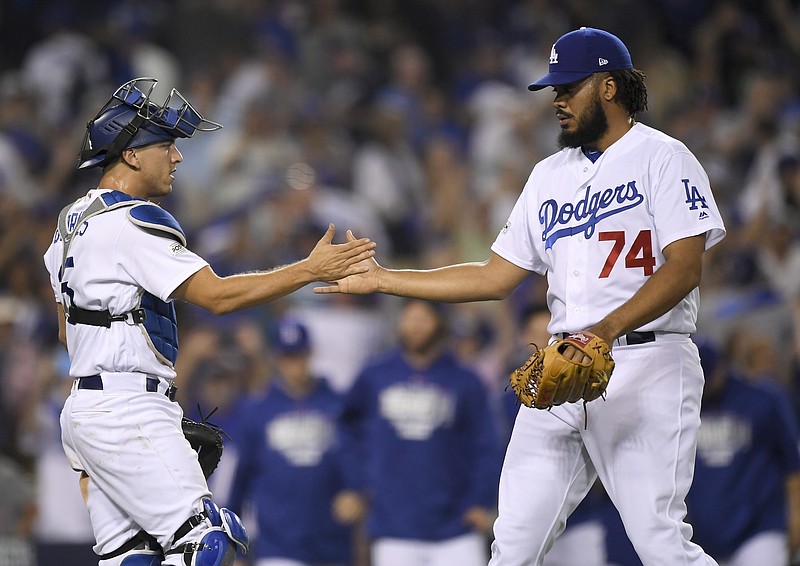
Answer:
(151, 385)
(77, 315)
(631, 338)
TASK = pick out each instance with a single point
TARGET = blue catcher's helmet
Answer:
(130, 119)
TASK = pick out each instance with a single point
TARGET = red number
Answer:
(619, 243)
(643, 244)
(640, 255)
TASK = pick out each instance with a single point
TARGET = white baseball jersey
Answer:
(111, 269)
(609, 221)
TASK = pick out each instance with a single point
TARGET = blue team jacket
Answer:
(422, 444)
(747, 445)
(290, 471)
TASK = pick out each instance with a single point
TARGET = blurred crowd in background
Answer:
(407, 121)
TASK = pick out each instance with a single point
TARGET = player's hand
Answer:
(348, 507)
(479, 519)
(329, 261)
(362, 281)
(575, 354)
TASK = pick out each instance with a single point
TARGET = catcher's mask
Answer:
(130, 119)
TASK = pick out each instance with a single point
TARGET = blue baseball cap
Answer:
(582, 52)
(291, 337)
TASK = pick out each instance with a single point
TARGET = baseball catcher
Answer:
(549, 378)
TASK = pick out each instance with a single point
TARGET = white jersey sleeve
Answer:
(683, 205)
(158, 263)
(516, 239)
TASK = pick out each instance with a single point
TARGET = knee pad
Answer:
(229, 522)
(219, 544)
(214, 549)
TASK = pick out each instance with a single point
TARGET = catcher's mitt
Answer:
(548, 379)
(206, 440)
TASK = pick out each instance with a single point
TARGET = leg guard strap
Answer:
(190, 523)
(143, 540)
(215, 549)
(139, 540)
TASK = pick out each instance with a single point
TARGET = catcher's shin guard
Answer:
(219, 543)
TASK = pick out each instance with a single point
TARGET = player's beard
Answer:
(590, 127)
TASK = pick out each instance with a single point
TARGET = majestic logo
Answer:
(568, 219)
(553, 55)
(601, 61)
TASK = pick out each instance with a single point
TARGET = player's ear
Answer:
(608, 87)
(130, 158)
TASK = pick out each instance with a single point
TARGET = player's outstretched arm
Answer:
(326, 262)
(492, 279)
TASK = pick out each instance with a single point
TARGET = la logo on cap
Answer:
(553, 55)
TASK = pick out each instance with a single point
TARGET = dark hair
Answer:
(631, 90)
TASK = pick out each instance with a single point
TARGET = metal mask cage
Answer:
(176, 116)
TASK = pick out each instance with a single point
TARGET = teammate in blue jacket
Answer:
(290, 470)
(420, 423)
(745, 500)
